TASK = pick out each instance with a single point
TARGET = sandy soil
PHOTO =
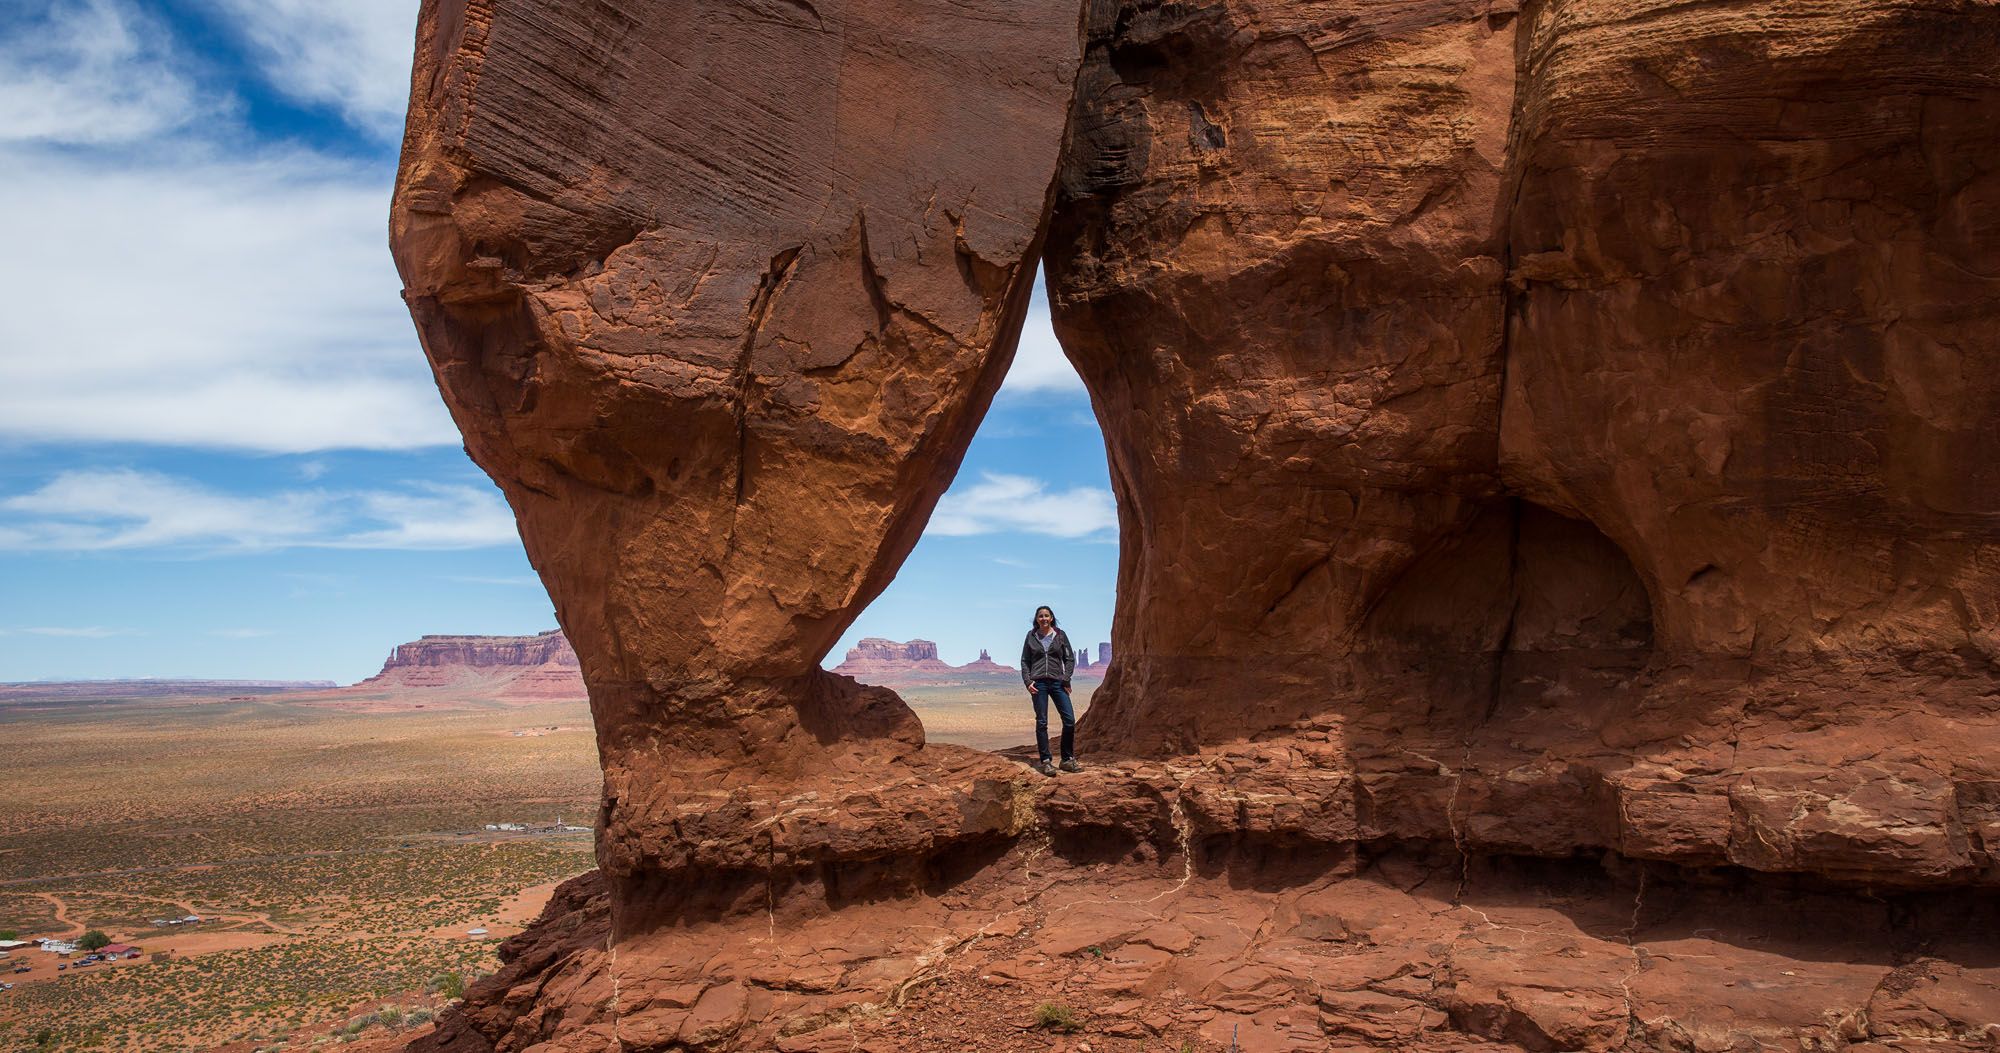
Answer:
(515, 913)
(186, 942)
(989, 717)
(43, 966)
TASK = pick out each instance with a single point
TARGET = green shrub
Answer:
(1056, 1016)
(93, 939)
(451, 985)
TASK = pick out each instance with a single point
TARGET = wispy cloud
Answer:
(432, 516)
(94, 72)
(213, 291)
(1040, 367)
(1000, 502)
(112, 509)
(90, 632)
(230, 302)
(350, 55)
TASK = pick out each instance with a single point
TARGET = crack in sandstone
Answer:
(1633, 1025)
(1451, 820)
(617, 996)
(775, 278)
(1184, 833)
(771, 891)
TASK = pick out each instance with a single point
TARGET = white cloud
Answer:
(434, 516)
(94, 72)
(185, 298)
(352, 55)
(98, 509)
(1001, 502)
(1039, 366)
(185, 288)
(108, 509)
(90, 632)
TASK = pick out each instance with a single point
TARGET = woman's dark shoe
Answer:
(1045, 767)
(1070, 764)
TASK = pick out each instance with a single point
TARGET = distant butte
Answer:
(458, 670)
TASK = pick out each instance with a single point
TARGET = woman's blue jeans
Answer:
(1045, 690)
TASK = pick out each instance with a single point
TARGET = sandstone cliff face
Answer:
(1298, 376)
(480, 652)
(877, 649)
(874, 660)
(1561, 385)
(1561, 433)
(718, 295)
(1753, 339)
(542, 667)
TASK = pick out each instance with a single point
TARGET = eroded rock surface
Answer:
(1279, 265)
(1161, 921)
(1432, 338)
(1554, 457)
(717, 293)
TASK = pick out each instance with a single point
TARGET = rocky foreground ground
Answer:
(1285, 895)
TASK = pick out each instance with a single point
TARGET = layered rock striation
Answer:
(479, 652)
(1558, 433)
(718, 296)
(873, 658)
(542, 666)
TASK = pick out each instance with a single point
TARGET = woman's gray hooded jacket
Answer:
(1058, 662)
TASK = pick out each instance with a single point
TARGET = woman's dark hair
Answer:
(1052, 616)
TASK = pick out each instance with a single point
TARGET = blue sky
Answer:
(221, 453)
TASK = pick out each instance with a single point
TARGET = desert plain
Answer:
(334, 845)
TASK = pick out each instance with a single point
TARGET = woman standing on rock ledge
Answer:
(1047, 663)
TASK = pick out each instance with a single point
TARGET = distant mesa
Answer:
(875, 648)
(432, 672)
(875, 656)
(538, 668)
